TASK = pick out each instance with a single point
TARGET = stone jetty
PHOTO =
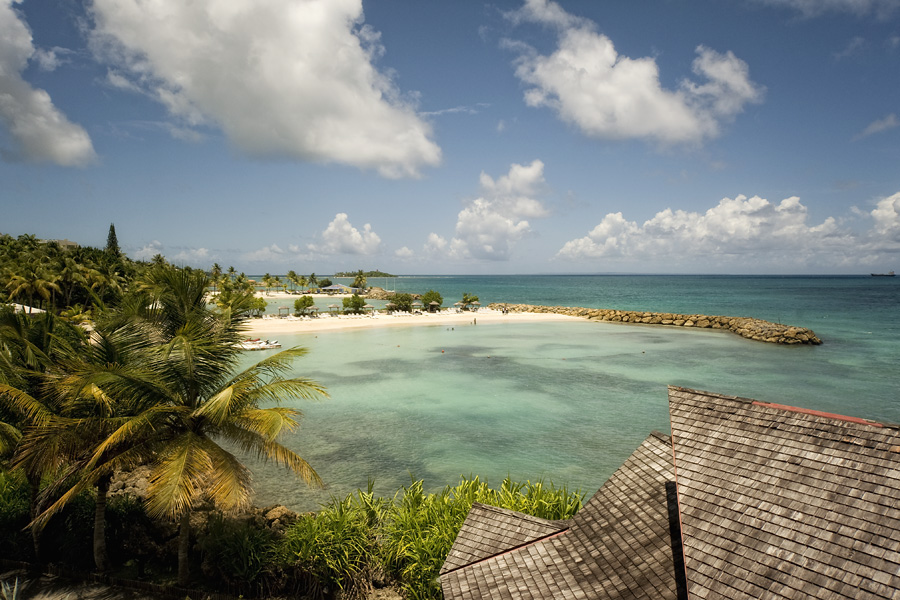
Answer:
(753, 329)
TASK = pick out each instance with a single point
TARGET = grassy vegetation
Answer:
(343, 550)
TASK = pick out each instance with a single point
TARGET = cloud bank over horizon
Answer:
(745, 234)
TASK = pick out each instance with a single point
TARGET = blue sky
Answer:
(528, 136)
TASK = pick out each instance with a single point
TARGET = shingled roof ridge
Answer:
(789, 408)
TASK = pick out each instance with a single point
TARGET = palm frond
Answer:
(219, 407)
(296, 463)
(274, 365)
(229, 481)
(280, 390)
(23, 404)
(178, 477)
(268, 422)
(9, 438)
(147, 424)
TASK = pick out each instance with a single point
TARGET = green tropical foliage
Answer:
(354, 304)
(359, 280)
(302, 304)
(155, 383)
(468, 300)
(408, 537)
(432, 296)
(402, 302)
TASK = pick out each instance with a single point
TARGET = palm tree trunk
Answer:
(34, 488)
(101, 560)
(184, 546)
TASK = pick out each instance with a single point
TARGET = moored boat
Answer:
(257, 344)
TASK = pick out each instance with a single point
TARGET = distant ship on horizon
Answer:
(888, 274)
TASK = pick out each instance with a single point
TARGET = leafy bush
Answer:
(420, 528)
(336, 549)
(432, 296)
(302, 303)
(238, 553)
(131, 535)
(354, 304)
(402, 302)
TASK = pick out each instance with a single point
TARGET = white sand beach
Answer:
(272, 324)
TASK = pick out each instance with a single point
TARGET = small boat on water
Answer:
(888, 274)
(258, 344)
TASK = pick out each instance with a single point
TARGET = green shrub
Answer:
(238, 553)
(420, 528)
(336, 548)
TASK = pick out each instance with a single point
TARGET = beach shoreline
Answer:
(273, 325)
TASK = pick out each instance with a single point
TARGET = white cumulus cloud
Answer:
(611, 96)
(37, 129)
(489, 226)
(281, 78)
(148, 251)
(886, 217)
(738, 232)
(341, 237)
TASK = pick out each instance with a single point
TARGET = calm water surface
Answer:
(570, 401)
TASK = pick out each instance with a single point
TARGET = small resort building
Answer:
(745, 500)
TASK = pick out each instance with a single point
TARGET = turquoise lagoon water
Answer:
(568, 402)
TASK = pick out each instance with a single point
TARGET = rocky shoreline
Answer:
(753, 329)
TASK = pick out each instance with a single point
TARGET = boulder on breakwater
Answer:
(753, 329)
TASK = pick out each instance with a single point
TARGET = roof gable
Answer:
(489, 530)
(617, 546)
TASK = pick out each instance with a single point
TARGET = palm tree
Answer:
(215, 274)
(359, 282)
(292, 278)
(468, 299)
(32, 280)
(71, 274)
(29, 346)
(313, 280)
(192, 400)
(85, 387)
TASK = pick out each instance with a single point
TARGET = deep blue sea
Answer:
(568, 402)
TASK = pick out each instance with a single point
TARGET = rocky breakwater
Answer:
(754, 329)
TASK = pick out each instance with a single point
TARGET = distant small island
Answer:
(365, 274)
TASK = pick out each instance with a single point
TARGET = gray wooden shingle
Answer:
(617, 546)
(778, 502)
(771, 502)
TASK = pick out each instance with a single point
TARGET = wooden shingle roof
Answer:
(617, 546)
(489, 530)
(783, 503)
